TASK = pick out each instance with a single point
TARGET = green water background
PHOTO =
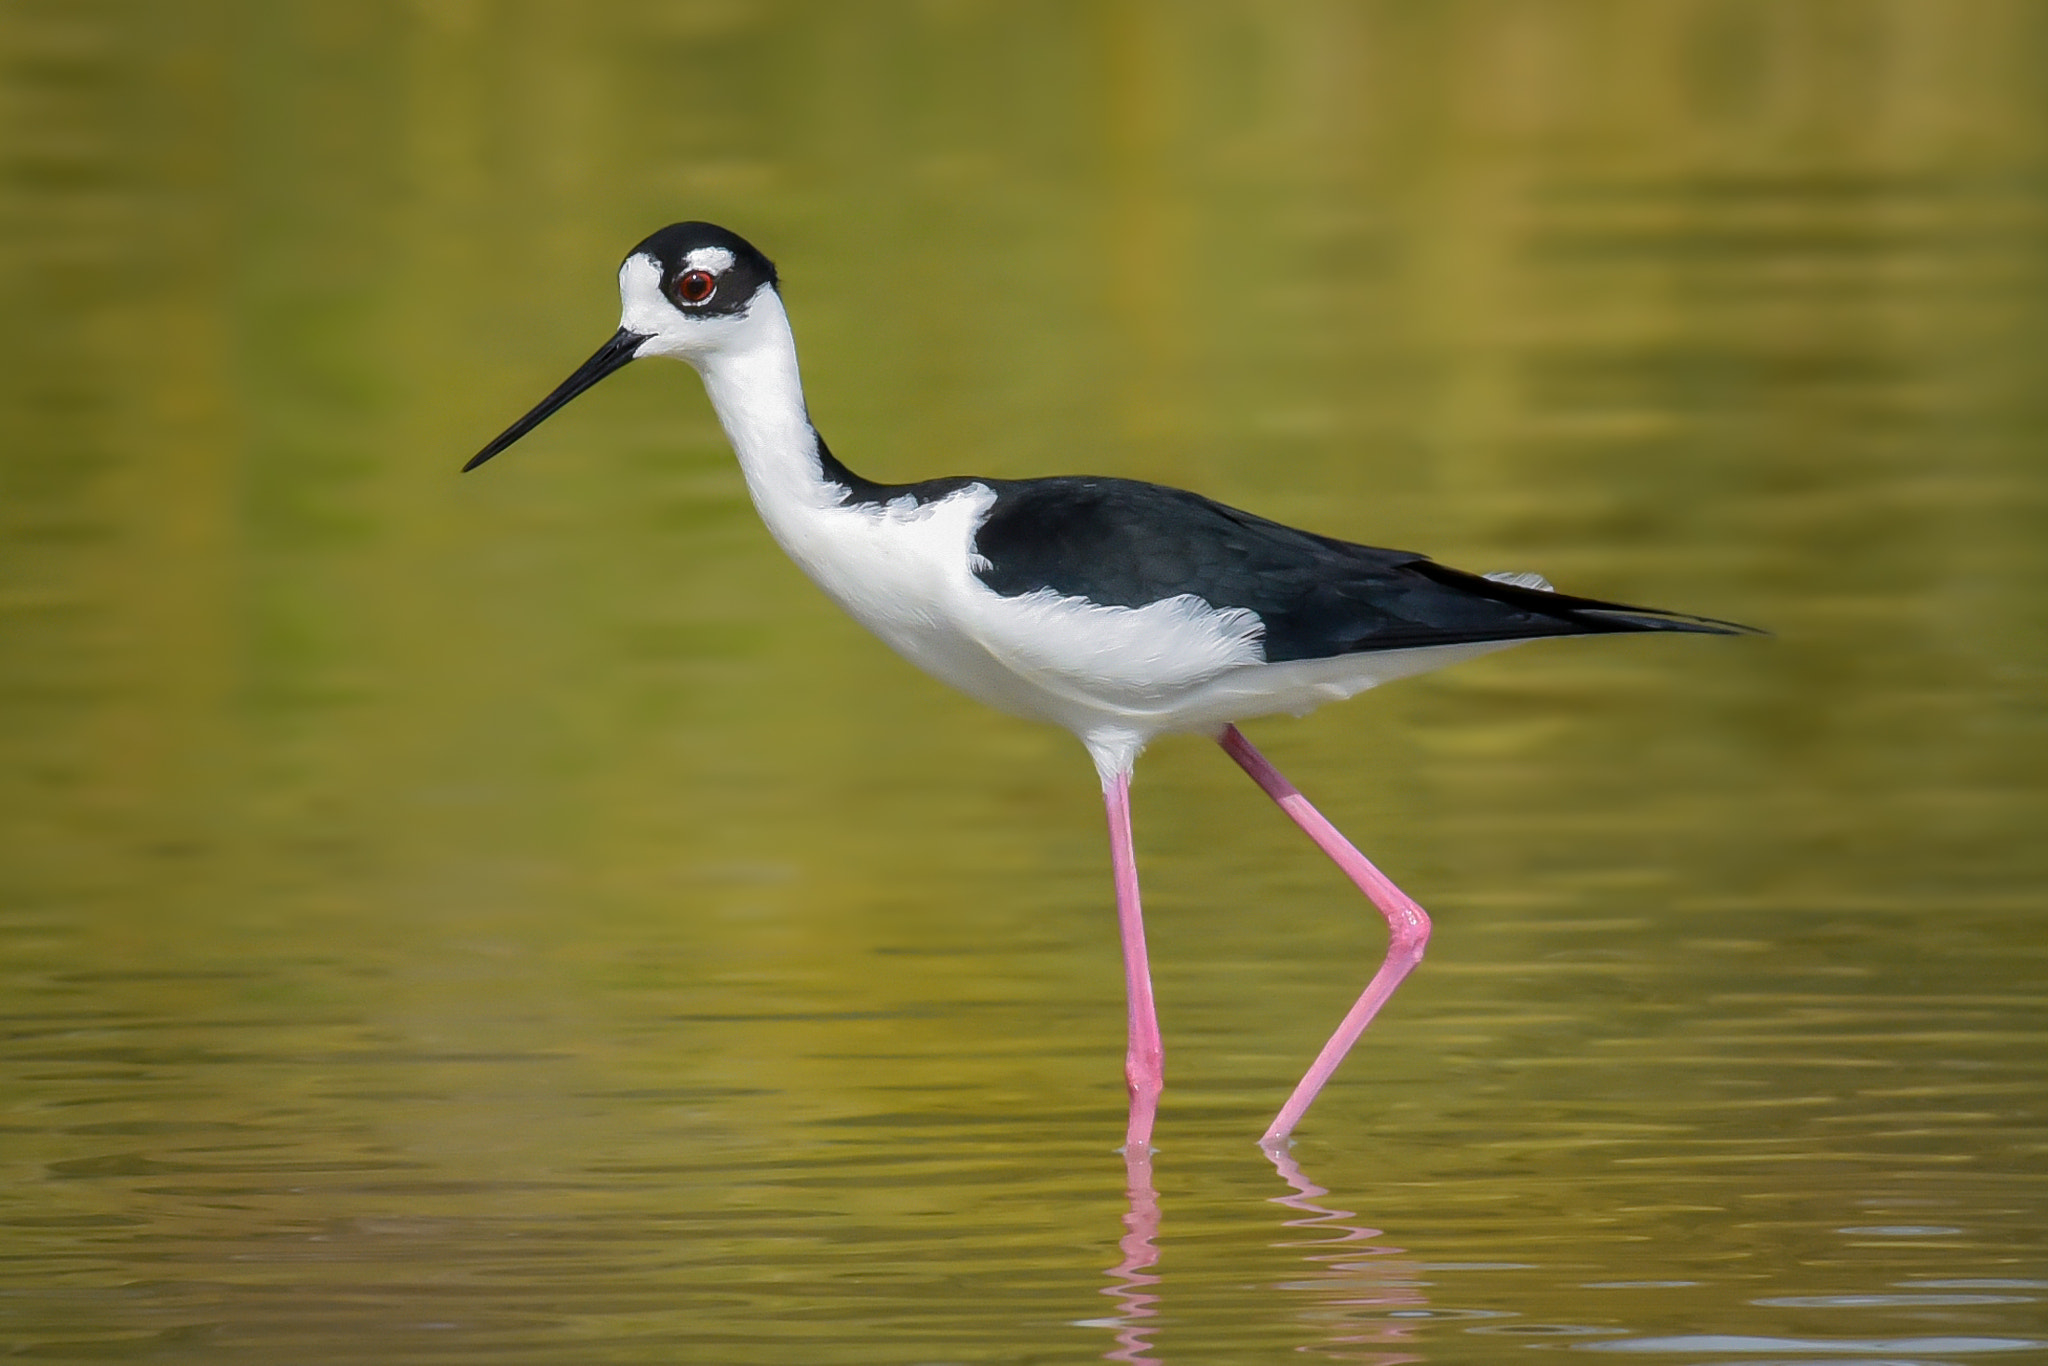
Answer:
(512, 917)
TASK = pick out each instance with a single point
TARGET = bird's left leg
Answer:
(1144, 1062)
(1407, 925)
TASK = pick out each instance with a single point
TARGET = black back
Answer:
(1126, 543)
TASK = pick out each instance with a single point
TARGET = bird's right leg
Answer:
(1144, 1060)
(1407, 926)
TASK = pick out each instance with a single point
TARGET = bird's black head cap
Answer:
(675, 246)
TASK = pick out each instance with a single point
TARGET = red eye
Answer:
(695, 286)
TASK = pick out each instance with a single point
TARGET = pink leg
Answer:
(1144, 1061)
(1407, 925)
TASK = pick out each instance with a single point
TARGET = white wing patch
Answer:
(1521, 579)
(1129, 660)
(907, 571)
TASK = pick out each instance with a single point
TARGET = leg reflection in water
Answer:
(1131, 1279)
(1359, 1288)
(1359, 1282)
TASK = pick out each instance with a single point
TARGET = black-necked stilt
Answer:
(1117, 609)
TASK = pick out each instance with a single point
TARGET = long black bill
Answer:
(611, 356)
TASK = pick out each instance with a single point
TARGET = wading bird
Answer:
(1120, 610)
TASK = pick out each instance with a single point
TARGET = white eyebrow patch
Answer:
(716, 260)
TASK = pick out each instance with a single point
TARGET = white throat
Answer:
(749, 367)
(748, 363)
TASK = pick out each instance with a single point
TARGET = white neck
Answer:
(756, 391)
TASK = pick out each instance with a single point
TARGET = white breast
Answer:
(906, 572)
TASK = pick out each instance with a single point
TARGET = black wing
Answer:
(1123, 543)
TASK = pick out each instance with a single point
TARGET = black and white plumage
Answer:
(1117, 609)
